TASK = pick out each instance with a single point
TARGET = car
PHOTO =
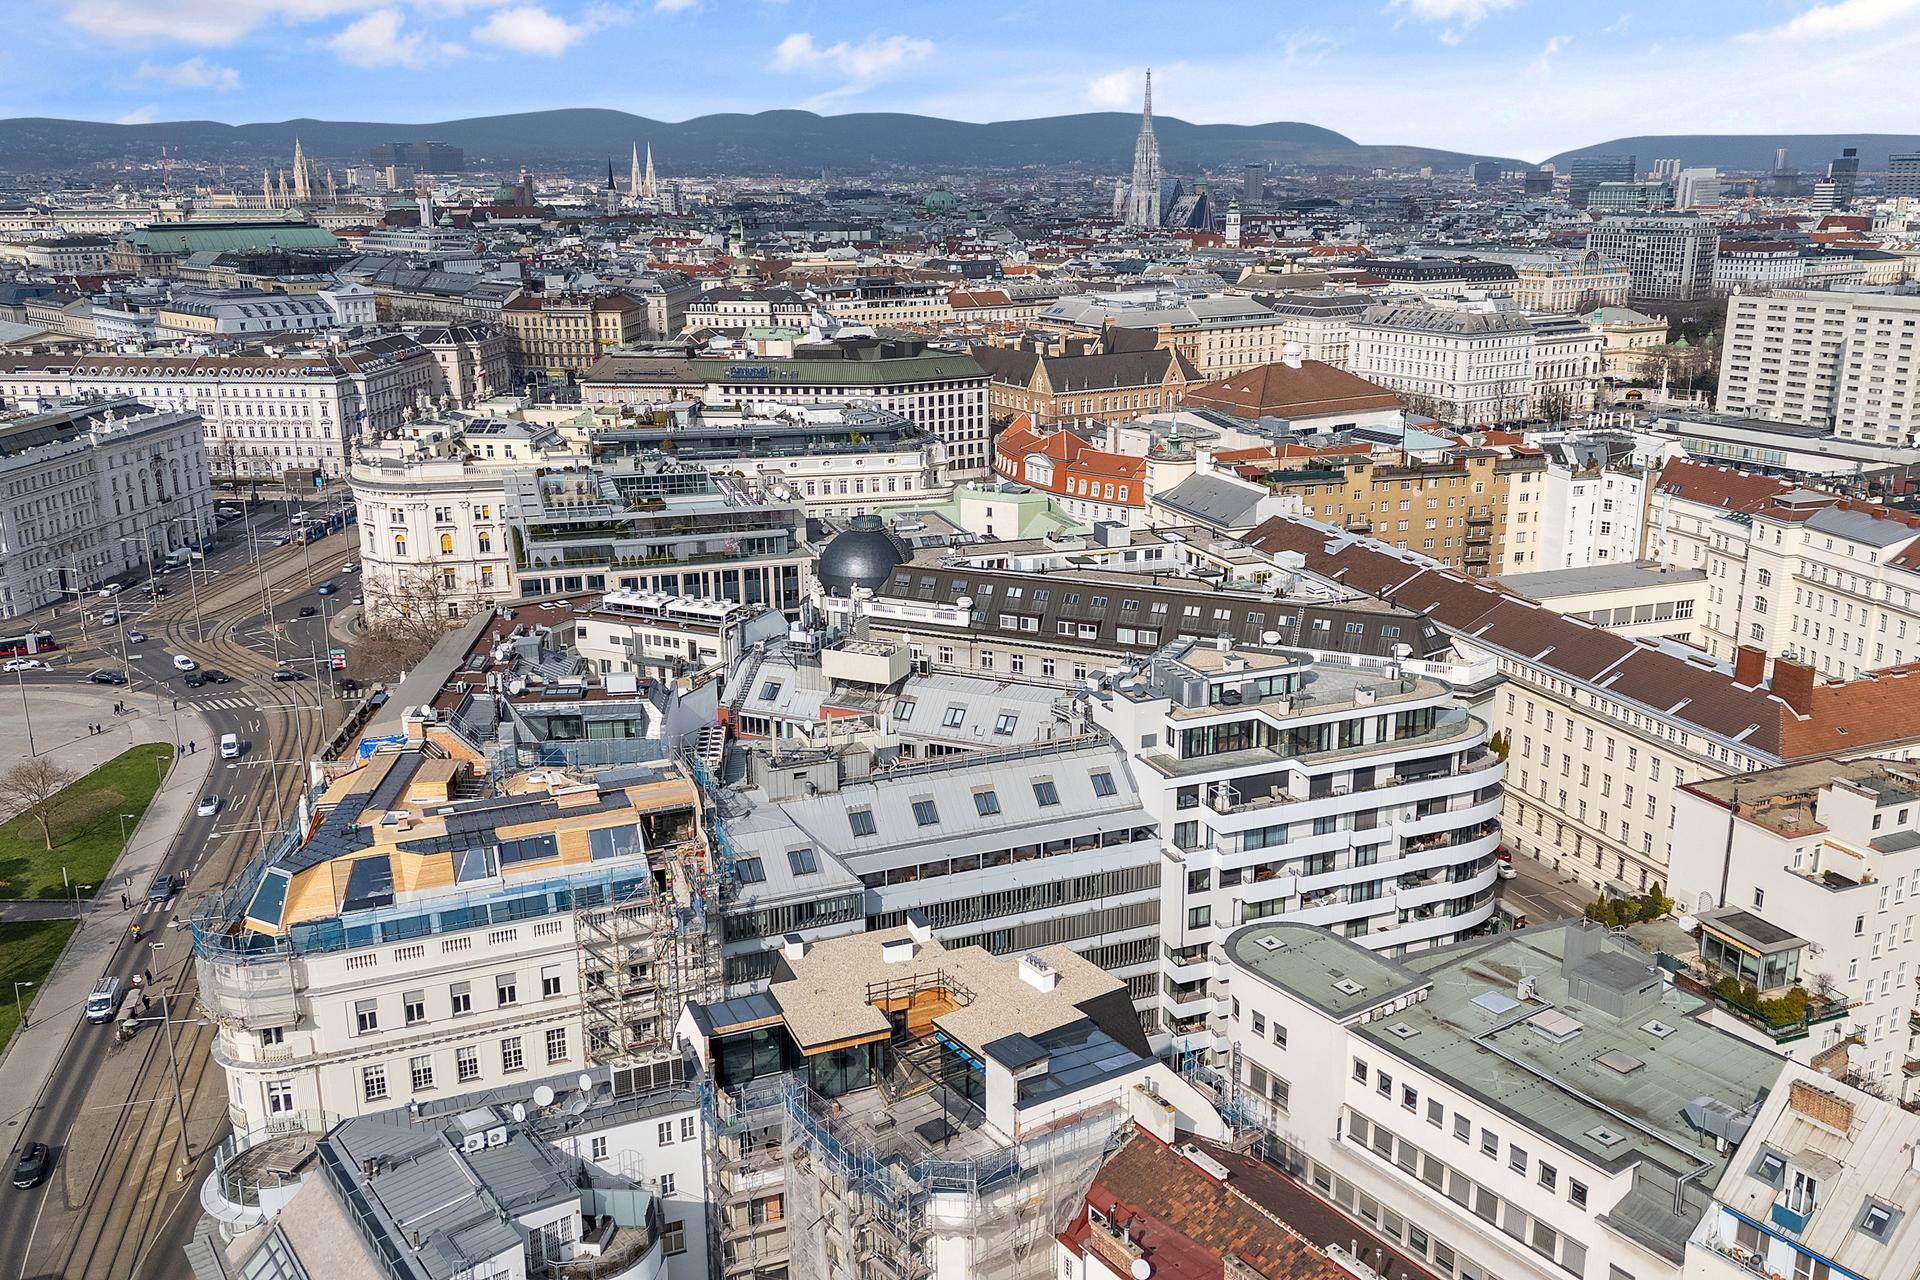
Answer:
(136, 637)
(106, 677)
(110, 617)
(359, 599)
(1507, 872)
(347, 684)
(282, 540)
(351, 568)
(325, 589)
(195, 680)
(284, 674)
(214, 675)
(24, 664)
(226, 511)
(31, 1169)
(164, 886)
(181, 662)
(154, 591)
(112, 589)
(307, 611)
(208, 806)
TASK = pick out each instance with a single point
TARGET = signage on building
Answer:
(749, 371)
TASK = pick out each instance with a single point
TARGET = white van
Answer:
(104, 1003)
(229, 746)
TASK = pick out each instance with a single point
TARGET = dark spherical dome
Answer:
(860, 556)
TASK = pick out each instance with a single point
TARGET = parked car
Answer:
(208, 806)
(181, 662)
(106, 677)
(24, 664)
(354, 567)
(31, 1169)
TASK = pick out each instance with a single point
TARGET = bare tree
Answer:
(403, 619)
(36, 784)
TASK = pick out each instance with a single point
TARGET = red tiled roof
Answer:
(1873, 710)
(1721, 487)
(1283, 390)
(1187, 1225)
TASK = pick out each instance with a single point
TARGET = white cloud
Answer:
(868, 60)
(1116, 89)
(193, 73)
(1544, 63)
(380, 39)
(528, 28)
(1619, 26)
(139, 115)
(675, 6)
(1462, 13)
(1844, 18)
(220, 23)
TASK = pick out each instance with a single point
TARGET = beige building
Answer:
(558, 337)
(1626, 337)
(1217, 333)
(1644, 601)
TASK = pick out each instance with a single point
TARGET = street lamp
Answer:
(167, 1022)
(18, 1007)
(20, 678)
(123, 830)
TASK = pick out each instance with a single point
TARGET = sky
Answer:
(1517, 78)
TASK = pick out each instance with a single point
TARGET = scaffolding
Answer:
(878, 1202)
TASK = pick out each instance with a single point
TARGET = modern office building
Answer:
(1903, 175)
(1588, 172)
(1669, 257)
(943, 392)
(1529, 1107)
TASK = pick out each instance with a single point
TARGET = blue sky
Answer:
(1516, 77)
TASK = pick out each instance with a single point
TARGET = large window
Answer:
(839, 1071)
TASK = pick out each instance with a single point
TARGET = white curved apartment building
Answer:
(1296, 788)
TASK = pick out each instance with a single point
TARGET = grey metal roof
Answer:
(1858, 526)
(1216, 500)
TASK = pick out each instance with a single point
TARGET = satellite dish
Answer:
(585, 1082)
(519, 1111)
(1141, 1269)
(543, 1096)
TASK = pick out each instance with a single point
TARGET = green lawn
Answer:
(86, 827)
(28, 949)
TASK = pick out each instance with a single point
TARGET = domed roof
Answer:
(940, 200)
(860, 556)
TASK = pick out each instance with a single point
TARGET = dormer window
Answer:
(1804, 1193)
(1877, 1220)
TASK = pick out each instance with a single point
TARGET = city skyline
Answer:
(1521, 79)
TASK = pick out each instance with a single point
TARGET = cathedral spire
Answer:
(1143, 195)
(650, 186)
(633, 172)
(1146, 109)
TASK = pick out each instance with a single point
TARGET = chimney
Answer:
(793, 946)
(1828, 1109)
(1037, 973)
(1749, 666)
(1793, 683)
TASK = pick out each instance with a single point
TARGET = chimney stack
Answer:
(1749, 666)
(1793, 683)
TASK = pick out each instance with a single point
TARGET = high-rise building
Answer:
(1903, 175)
(1253, 186)
(1668, 256)
(1695, 187)
(1485, 172)
(1823, 359)
(426, 157)
(1589, 172)
(1844, 172)
(1143, 204)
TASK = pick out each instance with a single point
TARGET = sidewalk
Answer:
(61, 715)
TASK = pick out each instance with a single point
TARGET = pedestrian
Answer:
(146, 977)
(124, 904)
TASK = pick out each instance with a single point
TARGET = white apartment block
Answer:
(1469, 364)
(1590, 514)
(1669, 257)
(1569, 364)
(652, 633)
(1345, 796)
(264, 415)
(93, 491)
(1531, 1106)
(1844, 360)
(1815, 870)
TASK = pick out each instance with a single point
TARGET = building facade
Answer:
(1669, 257)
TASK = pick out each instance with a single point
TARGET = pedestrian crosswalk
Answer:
(225, 704)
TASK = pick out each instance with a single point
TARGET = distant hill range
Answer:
(769, 142)
(1751, 152)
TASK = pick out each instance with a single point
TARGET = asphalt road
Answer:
(133, 1212)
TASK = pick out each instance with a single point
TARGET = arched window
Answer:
(446, 544)
(400, 544)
